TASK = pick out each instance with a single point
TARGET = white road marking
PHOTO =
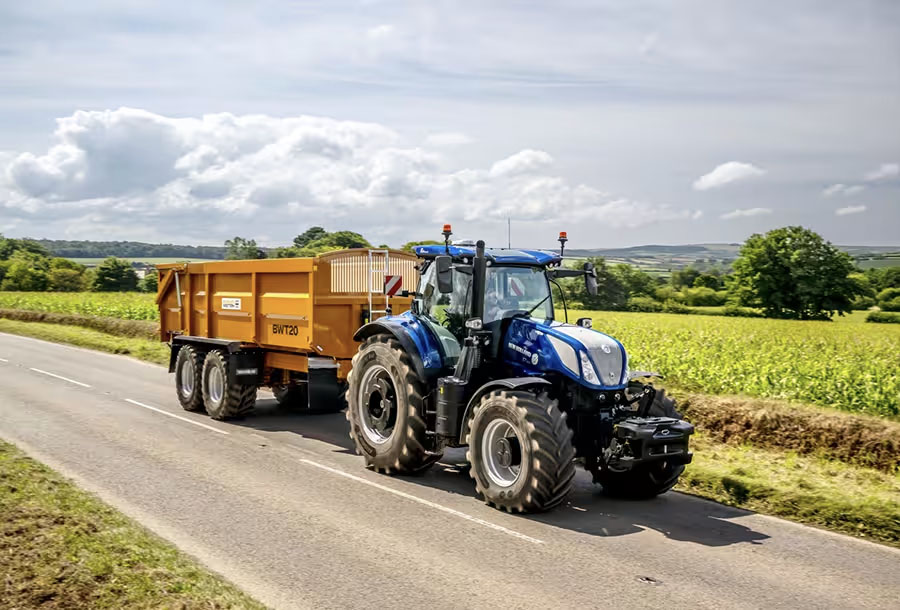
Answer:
(428, 503)
(84, 385)
(190, 421)
(3, 360)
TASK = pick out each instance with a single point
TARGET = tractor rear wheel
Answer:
(644, 480)
(188, 376)
(385, 409)
(224, 399)
(521, 451)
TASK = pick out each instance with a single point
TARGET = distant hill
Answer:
(129, 249)
(660, 258)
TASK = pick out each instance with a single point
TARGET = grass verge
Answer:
(60, 547)
(139, 329)
(864, 440)
(144, 349)
(827, 493)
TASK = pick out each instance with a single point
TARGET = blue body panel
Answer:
(537, 258)
(528, 352)
(426, 344)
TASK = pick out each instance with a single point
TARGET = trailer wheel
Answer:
(644, 480)
(385, 408)
(224, 399)
(188, 377)
(521, 451)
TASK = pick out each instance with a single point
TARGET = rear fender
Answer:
(513, 383)
(415, 339)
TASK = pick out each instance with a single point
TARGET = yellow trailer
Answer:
(288, 324)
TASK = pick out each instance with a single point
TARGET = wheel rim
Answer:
(501, 450)
(186, 377)
(377, 404)
(216, 384)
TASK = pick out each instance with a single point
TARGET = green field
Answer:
(125, 305)
(845, 365)
(852, 367)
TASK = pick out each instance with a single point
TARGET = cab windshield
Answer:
(516, 289)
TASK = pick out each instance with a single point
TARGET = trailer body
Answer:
(278, 319)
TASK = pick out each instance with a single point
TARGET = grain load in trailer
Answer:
(288, 324)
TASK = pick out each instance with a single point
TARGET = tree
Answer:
(408, 246)
(611, 294)
(66, 280)
(793, 273)
(637, 283)
(242, 249)
(150, 283)
(26, 271)
(684, 278)
(310, 235)
(9, 246)
(114, 275)
(708, 280)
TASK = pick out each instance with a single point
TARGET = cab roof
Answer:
(503, 256)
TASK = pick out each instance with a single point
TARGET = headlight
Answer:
(565, 352)
(588, 371)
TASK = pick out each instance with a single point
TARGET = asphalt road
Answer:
(281, 505)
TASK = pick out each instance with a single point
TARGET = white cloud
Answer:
(447, 139)
(220, 174)
(746, 213)
(843, 189)
(523, 162)
(885, 170)
(380, 32)
(727, 173)
(850, 209)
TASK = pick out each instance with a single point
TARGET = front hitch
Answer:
(639, 440)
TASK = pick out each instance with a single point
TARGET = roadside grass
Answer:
(60, 547)
(143, 349)
(827, 493)
(141, 329)
(864, 440)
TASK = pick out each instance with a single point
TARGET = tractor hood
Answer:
(590, 357)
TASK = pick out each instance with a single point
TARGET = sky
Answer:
(622, 123)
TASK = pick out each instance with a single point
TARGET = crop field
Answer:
(843, 365)
(852, 367)
(124, 305)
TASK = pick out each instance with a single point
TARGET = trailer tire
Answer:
(224, 399)
(385, 408)
(644, 481)
(521, 451)
(188, 378)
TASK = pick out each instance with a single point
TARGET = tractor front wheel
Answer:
(521, 451)
(385, 408)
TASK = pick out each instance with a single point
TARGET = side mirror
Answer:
(590, 279)
(444, 266)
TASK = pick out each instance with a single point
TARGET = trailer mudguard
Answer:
(513, 383)
(205, 343)
(416, 339)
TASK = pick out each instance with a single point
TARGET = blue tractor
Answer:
(479, 361)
